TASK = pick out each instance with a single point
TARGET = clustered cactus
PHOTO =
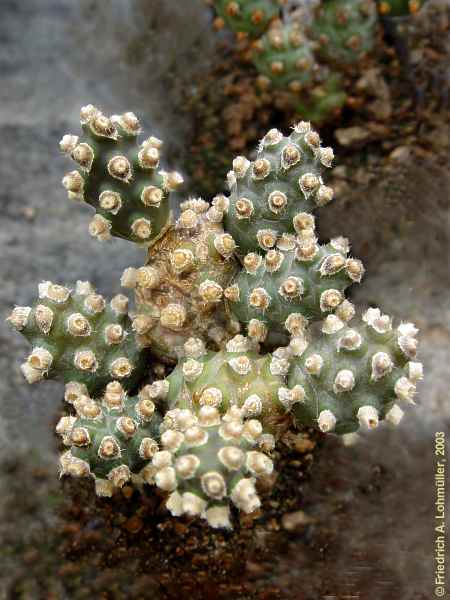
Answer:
(297, 57)
(239, 297)
(308, 54)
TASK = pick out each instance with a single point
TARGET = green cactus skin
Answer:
(77, 336)
(345, 30)
(299, 282)
(284, 58)
(235, 377)
(284, 180)
(399, 8)
(119, 178)
(209, 460)
(324, 100)
(179, 293)
(353, 374)
(246, 17)
(110, 441)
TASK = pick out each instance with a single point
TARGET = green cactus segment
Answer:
(235, 377)
(179, 293)
(110, 441)
(345, 30)
(300, 281)
(250, 17)
(77, 336)
(354, 373)
(284, 180)
(399, 8)
(284, 58)
(209, 461)
(324, 100)
(119, 177)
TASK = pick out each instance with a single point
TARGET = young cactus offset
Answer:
(284, 58)
(179, 293)
(119, 178)
(355, 372)
(111, 441)
(345, 30)
(209, 461)
(268, 193)
(223, 412)
(246, 17)
(298, 282)
(78, 336)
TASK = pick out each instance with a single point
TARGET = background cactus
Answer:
(399, 8)
(299, 282)
(284, 58)
(345, 30)
(324, 100)
(353, 374)
(179, 293)
(283, 181)
(246, 17)
(78, 336)
(110, 441)
(119, 178)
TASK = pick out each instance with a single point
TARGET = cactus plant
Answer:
(246, 17)
(119, 178)
(111, 441)
(298, 282)
(223, 409)
(204, 433)
(355, 372)
(323, 101)
(210, 460)
(345, 30)
(284, 58)
(179, 293)
(236, 377)
(78, 336)
(268, 193)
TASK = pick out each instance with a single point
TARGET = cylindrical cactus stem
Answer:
(78, 337)
(293, 284)
(268, 193)
(121, 179)
(110, 441)
(209, 461)
(246, 17)
(179, 293)
(345, 30)
(354, 374)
